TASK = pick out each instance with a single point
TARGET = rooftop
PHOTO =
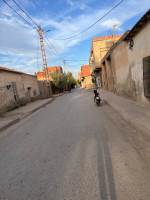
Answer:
(115, 45)
(106, 37)
(139, 26)
(85, 69)
(55, 69)
(10, 70)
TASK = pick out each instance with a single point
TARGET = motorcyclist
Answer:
(69, 88)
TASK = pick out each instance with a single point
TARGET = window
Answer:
(146, 76)
(29, 91)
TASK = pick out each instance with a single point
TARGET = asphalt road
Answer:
(72, 150)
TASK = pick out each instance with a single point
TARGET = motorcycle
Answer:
(97, 98)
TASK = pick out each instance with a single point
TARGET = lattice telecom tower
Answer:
(44, 58)
(43, 53)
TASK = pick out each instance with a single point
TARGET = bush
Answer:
(22, 102)
(14, 107)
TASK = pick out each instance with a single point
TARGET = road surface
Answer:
(72, 150)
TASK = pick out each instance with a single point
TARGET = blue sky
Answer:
(20, 47)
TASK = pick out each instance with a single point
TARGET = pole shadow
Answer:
(105, 169)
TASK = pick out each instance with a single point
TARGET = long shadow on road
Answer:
(105, 170)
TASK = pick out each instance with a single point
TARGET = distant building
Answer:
(86, 81)
(16, 86)
(79, 77)
(41, 76)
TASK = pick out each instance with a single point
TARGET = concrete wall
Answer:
(30, 82)
(87, 83)
(123, 73)
(110, 80)
(100, 47)
(23, 82)
(120, 60)
(104, 76)
(141, 49)
(44, 89)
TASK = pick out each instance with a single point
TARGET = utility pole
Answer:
(64, 62)
(44, 58)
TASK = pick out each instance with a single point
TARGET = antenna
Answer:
(114, 26)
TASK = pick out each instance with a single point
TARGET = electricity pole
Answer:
(44, 58)
(64, 62)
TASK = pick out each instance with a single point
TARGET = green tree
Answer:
(78, 82)
(70, 79)
(62, 80)
(58, 79)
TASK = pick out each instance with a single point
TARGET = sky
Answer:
(20, 44)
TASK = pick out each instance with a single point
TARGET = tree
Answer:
(62, 80)
(78, 82)
(70, 79)
(58, 79)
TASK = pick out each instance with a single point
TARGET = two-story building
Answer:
(87, 79)
(100, 46)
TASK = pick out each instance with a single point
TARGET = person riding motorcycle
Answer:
(69, 88)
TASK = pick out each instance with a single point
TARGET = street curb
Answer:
(135, 124)
(9, 124)
(53, 96)
(26, 115)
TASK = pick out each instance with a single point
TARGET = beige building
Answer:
(86, 81)
(99, 48)
(16, 86)
(114, 57)
(126, 66)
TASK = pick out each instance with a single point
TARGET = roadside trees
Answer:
(62, 80)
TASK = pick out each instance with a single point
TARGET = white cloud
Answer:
(19, 40)
(70, 2)
(109, 23)
(78, 4)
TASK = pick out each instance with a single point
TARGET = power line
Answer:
(29, 23)
(25, 12)
(77, 60)
(53, 47)
(20, 15)
(92, 24)
(50, 52)
(56, 43)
